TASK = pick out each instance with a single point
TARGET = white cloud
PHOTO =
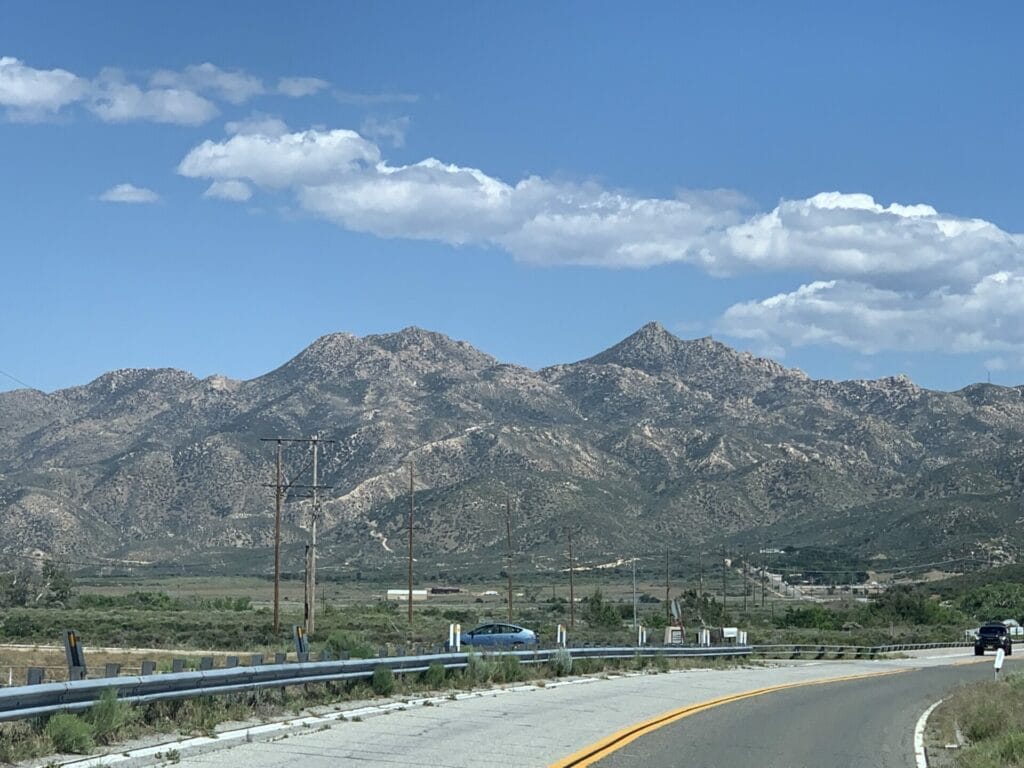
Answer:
(297, 87)
(236, 191)
(232, 86)
(850, 235)
(30, 93)
(169, 96)
(882, 277)
(129, 193)
(857, 316)
(114, 101)
(392, 129)
(302, 158)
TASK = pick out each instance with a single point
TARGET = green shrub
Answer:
(561, 662)
(434, 676)
(339, 642)
(383, 683)
(70, 734)
(662, 663)
(509, 670)
(586, 666)
(109, 717)
(598, 612)
(479, 669)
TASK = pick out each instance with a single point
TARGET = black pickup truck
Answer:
(993, 636)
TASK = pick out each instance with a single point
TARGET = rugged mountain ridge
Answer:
(657, 439)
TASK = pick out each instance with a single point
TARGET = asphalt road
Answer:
(865, 723)
(835, 724)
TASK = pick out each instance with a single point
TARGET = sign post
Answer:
(301, 642)
(75, 655)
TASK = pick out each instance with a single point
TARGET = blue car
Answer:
(504, 635)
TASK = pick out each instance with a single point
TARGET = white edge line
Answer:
(919, 752)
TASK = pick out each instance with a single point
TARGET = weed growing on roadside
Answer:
(383, 681)
(70, 734)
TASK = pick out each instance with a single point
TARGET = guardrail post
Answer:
(148, 667)
(256, 660)
(177, 665)
(231, 662)
(206, 663)
(35, 676)
(280, 658)
(301, 643)
(112, 670)
(75, 655)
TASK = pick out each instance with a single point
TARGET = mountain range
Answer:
(655, 442)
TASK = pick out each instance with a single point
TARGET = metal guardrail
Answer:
(846, 651)
(29, 701)
(21, 702)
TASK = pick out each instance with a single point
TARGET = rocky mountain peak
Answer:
(421, 349)
(413, 350)
(652, 348)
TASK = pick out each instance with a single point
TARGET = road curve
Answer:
(866, 723)
(541, 727)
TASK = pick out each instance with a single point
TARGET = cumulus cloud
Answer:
(182, 97)
(861, 317)
(129, 193)
(29, 93)
(236, 191)
(853, 236)
(297, 87)
(115, 101)
(880, 274)
(293, 159)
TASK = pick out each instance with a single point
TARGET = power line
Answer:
(16, 380)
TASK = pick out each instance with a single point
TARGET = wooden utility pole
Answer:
(700, 574)
(634, 591)
(572, 591)
(412, 504)
(279, 493)
(668, 589)
(508, 533)
(743, 578)
(725, 576)
(280, 488)
(311, 602)
(764, 575)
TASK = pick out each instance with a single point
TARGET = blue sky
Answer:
(193, 186)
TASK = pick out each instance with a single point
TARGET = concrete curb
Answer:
(920, 753)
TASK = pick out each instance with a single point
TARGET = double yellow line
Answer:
(606, 746)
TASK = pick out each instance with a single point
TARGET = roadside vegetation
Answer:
(155, 619)
(989, 718)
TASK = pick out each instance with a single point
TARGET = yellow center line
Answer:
(616, 741)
